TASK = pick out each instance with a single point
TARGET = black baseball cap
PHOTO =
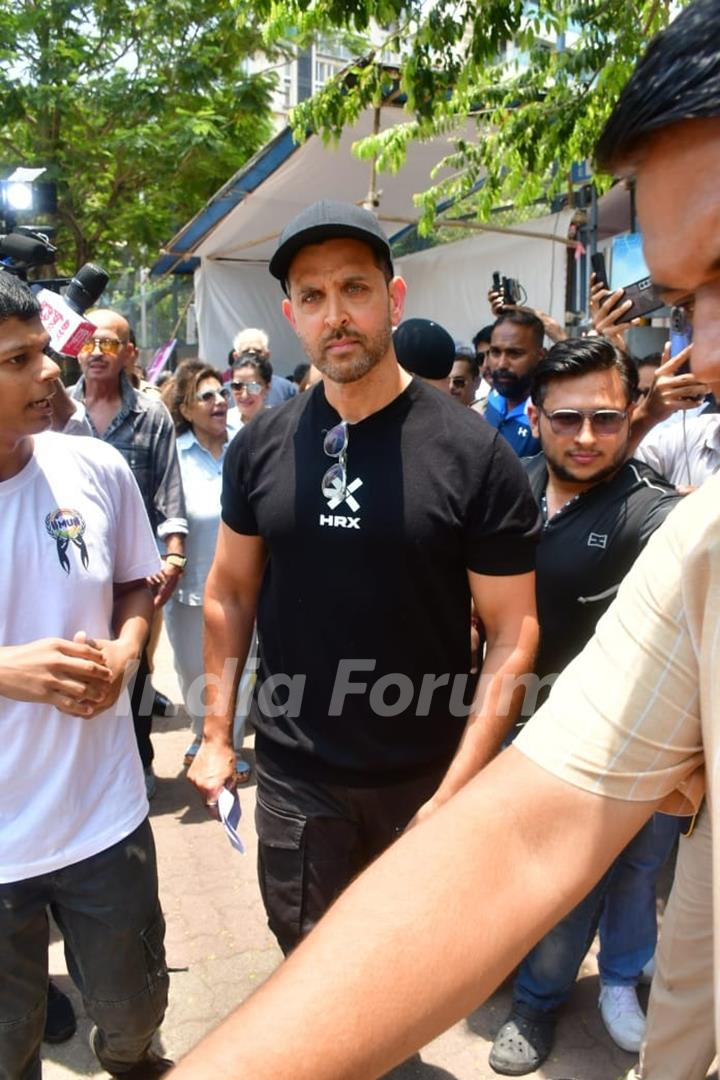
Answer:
(327, 219)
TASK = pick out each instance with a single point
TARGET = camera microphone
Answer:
(86, 288)
(33, 249)
(62, 315)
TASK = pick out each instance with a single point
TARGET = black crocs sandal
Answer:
(522, 1044)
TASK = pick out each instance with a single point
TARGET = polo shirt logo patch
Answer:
(598, 540)
(523, 431)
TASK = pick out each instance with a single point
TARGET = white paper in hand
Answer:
(230, 814)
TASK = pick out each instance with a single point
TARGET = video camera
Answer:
(509, 288)
(61, 313)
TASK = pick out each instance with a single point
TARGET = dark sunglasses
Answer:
(571, 421)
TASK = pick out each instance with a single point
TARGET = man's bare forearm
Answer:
(132, 615)
(427, 932)
(496, 707)
(229, 622)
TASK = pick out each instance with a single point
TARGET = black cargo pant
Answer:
(314, 838)
(108, 911)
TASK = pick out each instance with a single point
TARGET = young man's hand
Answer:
(607, 310)
(164, 583)
(671, 392)
(118, 657)
(71, 675)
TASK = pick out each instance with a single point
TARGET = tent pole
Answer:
(372, 199)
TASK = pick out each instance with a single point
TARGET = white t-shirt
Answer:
(72, 522)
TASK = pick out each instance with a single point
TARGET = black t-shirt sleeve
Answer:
(656, 515)
(503, 517)
(237, 513)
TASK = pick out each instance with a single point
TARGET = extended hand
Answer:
(117, 657)
(671, 392)
(213, 767)
(606, 311)
(164, 583)
(71, 675)
(551, 326)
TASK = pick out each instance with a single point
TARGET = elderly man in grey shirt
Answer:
(141, 429)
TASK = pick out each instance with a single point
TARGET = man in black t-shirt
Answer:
(358, 521)
(599, 510)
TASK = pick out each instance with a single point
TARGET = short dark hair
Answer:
(261, 364)
(653, 360)
(182, 386)
(299, 373)
(677, 79)
(579, 356)
(470, 359)
(383, 264)
(483, 336)
(17, 301)
(523, 318)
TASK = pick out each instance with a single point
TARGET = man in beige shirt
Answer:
(633, 725)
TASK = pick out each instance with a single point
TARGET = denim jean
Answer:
(623, 903)
(628, 922)
(108, 912)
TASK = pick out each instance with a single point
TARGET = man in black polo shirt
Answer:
(599, 510)
(359, 520)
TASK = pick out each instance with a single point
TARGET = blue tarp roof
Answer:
(177, 258)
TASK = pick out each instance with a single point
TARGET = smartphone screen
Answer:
(597, 261)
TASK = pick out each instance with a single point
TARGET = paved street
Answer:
(219, 948)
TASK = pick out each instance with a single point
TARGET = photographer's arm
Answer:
(552, 327)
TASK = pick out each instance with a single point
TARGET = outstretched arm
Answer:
(427, 932)
(231, 593)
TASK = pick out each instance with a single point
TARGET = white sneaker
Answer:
(623, 1017)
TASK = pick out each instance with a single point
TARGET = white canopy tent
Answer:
(236, 234)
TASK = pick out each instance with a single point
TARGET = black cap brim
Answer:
(317, 233)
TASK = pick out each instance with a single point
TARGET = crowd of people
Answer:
(466, 594)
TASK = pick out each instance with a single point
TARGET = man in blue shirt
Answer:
(516, 347)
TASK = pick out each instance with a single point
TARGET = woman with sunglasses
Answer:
(198, 403)
(251, 377)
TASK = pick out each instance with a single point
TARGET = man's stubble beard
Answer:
(372, 351)
(605, 473)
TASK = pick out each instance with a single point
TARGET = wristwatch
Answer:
(178, 561)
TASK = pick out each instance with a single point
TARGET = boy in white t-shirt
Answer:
(73, 812)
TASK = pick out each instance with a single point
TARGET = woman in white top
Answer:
(249, 384)
(198, 402)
